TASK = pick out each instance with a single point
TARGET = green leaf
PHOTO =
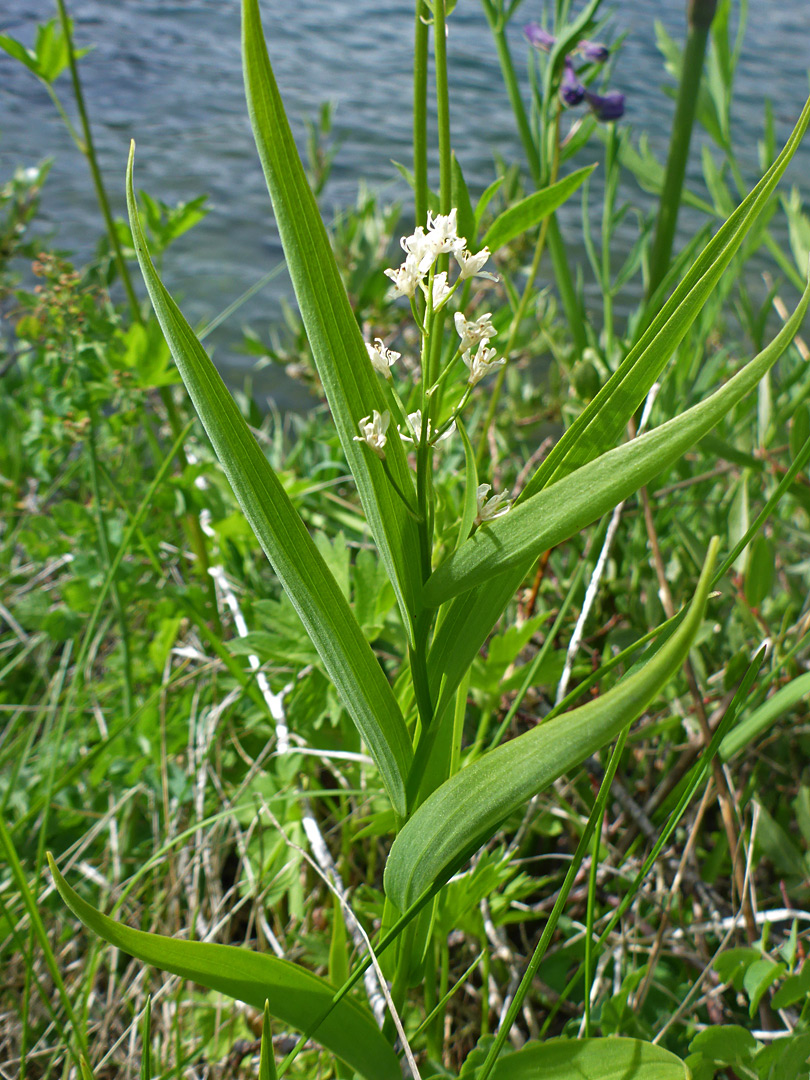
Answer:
(761, 719)
(349, 381)
(761, 975)
(529, 211)
(470, 807)
(559, 511)
(470, 507)
(794, 988)
(590, 1059)
(460, 198)
(316, 596)
(724, 1044)
(295, 996)
(267, 1059)
(760, 571)
(19, 52)
(602, 421)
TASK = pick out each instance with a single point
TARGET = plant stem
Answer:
(556, 244)
(517, 318)
(559, 904)
(442, 104)
(92, 160)
(420, 161)
(700, 16)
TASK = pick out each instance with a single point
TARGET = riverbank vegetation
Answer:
(457, 728)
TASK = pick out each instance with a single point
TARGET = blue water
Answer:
(168, 74)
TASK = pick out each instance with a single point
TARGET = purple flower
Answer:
(571, 89)
(609, 106)
(593, 52)
(537, 36)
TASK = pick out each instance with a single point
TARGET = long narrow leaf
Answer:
(349, 381)
(581, 497)
(324, 611)
(470, 807)
(602, 421)
(531, 210)
(293, 994)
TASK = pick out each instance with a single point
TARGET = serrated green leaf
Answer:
(312, 589)
(351, 386)
(295, 996)
(590, 1059)
(558, 511)
(528, 212)
(469, 807)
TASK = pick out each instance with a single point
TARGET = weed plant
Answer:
(498, 772)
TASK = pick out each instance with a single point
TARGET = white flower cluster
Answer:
(477, 332)
(422, 248)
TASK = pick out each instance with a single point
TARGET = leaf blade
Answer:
(294, 994)
(469, 807)
(531, 210)
(329, 621)
(579, 498)
(351, 386)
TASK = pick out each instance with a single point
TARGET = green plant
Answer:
(450, 587)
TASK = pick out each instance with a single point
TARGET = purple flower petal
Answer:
(606, 107)
(571, 89)
(537, 36)
(593, 51)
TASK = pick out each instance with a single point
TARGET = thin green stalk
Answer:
(420, 66)
(442, 104)
(104, 544)
(556, 911)
(13, 863)
(92, 160)
(589, 919)
(698, 772)
(498, 28)
(700, 16)
(556, 244)
(517, 318)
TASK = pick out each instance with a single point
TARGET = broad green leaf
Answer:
(579, 498)
(761, 719)
(294, 995)
(529, 211)
(350, 383)
(602, 421)
(590, 1059)
(470, 807)
(316, 596)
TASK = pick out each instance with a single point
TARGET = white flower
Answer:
(482, 363)
(470, 265)
(441, 290)
(489, 509)
(406, 277)
(381, 358)
(442, 232)
(421, 247)
(415, 420)
(473, 331)
(372, 432)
